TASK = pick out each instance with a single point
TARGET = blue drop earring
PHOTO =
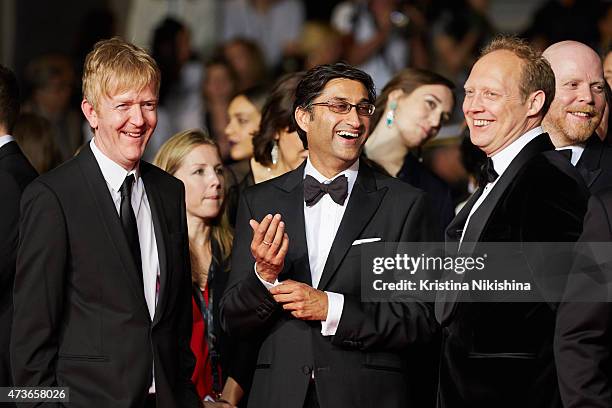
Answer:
(390, 118)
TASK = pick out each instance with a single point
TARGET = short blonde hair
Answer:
(115, 65)
(169, 158)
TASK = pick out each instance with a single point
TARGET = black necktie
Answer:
(314, 191)
(128, 220)
(488, 173)
(567, 153)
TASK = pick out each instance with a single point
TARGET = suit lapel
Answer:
(108, 213)
(363, 203)
(481, 216)
(161, 230)
(589, 164)
(445, 303)
(293, 214)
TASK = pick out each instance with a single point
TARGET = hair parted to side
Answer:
(115, 65)
(276, 115)
(170, 157)
(315, 80)
(9, 99)
(407, 80)
(537, 73)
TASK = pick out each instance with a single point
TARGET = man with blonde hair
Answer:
(499, 353)
(102, 289)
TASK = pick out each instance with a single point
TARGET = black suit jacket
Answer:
(365, 363)
(80, 317)
(16, 173)
(500, 354)
(595, 164)
(583, 345)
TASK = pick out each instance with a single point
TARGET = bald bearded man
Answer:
(577, 110)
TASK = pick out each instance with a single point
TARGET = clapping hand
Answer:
(269, 246)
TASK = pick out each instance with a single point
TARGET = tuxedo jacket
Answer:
(16, 173)
(500, 354)
(595, 164)
(81, 320)
(366, 362)
(583, 345)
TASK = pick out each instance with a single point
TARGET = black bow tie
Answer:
(488, 173)
(314, 191)
(567, 153)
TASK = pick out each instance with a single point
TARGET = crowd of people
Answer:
(199, 240)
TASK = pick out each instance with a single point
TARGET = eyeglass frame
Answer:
(329, 105)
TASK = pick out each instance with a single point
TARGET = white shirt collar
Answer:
(350, 173)
(502, 160)
(113, 173)
(576, 152)
(6, 139)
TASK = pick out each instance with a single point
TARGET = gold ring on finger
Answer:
(266, 242)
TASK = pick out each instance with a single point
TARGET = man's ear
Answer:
(536, 102)
(90, 113)
(303, 118)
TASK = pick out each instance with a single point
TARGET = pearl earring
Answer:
(274, 153)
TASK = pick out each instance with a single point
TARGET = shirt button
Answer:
(306, 370)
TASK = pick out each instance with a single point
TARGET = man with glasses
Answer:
(295, 281)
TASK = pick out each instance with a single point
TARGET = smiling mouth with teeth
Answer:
(482, 122)
(582, 114)
(347, 135)
(131, 134)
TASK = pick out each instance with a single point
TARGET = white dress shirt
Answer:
(501, 161)
(114, 175)
(6, 139)
(322, 221)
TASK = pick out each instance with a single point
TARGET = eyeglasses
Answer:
(363, 108)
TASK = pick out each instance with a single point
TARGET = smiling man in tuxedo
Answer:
(296, 270)
(577, 111)
(501, 354)
(103, 288)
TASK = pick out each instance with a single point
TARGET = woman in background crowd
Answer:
(193, 157)
(276, 147)
(244, 113)
(409, 111)
(218, 88)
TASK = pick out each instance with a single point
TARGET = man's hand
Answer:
(269, 246)
(304, 302)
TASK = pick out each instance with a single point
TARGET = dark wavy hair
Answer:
(277, 115)
(314, 81)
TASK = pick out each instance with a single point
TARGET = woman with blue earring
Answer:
(410, 111)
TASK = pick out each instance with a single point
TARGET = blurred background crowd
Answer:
(211, 51)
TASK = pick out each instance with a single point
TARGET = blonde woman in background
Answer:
(193, 157)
